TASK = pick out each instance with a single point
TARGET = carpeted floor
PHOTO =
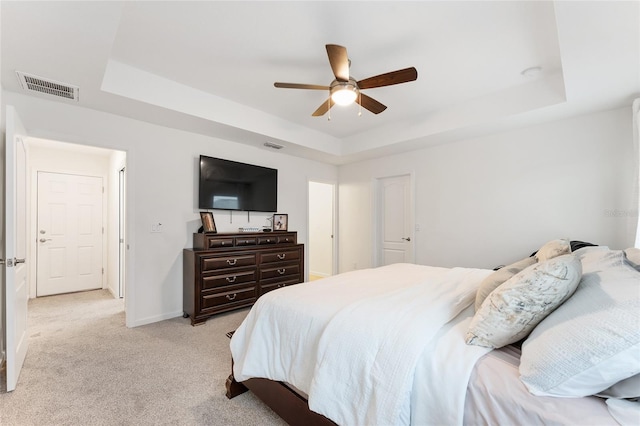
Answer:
(84, 367)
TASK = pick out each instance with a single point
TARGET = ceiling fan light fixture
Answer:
(344, 93)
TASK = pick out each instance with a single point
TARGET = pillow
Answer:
(553, 249)
(627, 388)
(592, 341)
(633, 257)
(492, 282)
(626, 413)
(512, 310)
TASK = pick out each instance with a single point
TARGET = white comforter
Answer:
(354, 343)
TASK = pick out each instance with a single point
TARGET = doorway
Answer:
(394, 220)
(321, 225)
(55, 157)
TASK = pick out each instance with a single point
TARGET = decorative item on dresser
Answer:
(227, 271)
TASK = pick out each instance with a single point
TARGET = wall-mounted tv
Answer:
(230, 185)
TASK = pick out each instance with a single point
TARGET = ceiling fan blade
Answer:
(339, 61)
(390, 78)
(370, 103)
(300, 86)
(322, 109)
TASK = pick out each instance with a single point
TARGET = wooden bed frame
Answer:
(283, 400)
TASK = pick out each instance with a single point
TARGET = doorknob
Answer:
(407, 239)
(42, 240)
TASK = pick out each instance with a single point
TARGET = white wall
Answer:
(487, 201)
(162, 187)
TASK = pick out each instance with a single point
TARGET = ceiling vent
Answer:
(273, 145)
(33, 83)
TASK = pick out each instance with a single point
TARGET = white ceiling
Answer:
(209, 66)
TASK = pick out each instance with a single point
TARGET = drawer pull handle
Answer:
(281, 285)
(232, 262)
(231, 296)
(282, 271)
(282, 256)
(231, 279)
(222, 243)
(268, 240)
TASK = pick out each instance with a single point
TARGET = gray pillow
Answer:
(627, 388)
(512, 310)
(498, 277)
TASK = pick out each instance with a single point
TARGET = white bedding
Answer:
(389, 321)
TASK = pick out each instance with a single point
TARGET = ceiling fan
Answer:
(345, 89)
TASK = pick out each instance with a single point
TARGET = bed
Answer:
(415, 344)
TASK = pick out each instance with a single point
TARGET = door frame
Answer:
(376, 207)
(334, 230)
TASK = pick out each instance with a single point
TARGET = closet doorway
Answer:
(321, 247)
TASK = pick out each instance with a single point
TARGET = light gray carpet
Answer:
(84, 367)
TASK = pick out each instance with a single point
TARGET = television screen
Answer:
(230, 185)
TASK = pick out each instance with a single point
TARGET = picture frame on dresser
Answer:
(280, 222)
(208, 224)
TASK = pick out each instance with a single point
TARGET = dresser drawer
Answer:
(246, 241)
(280, 256)
(287, 239)
(231, 278)
(271, 239)
(216, 242)
(230, 261)
(279, 271)
(235, 296)
(276, 284)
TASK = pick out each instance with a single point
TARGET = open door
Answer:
(16, 294)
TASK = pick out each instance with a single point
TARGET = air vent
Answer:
(33, 83)
(273, 145)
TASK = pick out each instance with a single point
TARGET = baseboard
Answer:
(157, 318)
(319, 274)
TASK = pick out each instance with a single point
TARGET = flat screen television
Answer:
(230, 185)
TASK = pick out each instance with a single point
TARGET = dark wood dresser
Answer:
(231, 270)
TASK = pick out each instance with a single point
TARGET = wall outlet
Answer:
(156, 227)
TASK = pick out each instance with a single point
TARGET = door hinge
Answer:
(103, 229)
(102, 271)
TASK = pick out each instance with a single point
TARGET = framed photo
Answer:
(280, 222)
(208, 224)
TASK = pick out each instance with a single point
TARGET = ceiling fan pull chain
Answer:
(359, 104)
(329, 108)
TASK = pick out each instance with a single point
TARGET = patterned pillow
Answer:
(553, 248)
(633, 257)
(498, 277)
(512, 310)
(592, 341)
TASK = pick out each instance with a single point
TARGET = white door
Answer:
(69, 233)
(321, 230)
(395, 221)
(15, 272)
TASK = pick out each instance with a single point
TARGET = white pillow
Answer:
(592, 341)
(512, 310)
(553, 248)
(498, 277)
(626, 413)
